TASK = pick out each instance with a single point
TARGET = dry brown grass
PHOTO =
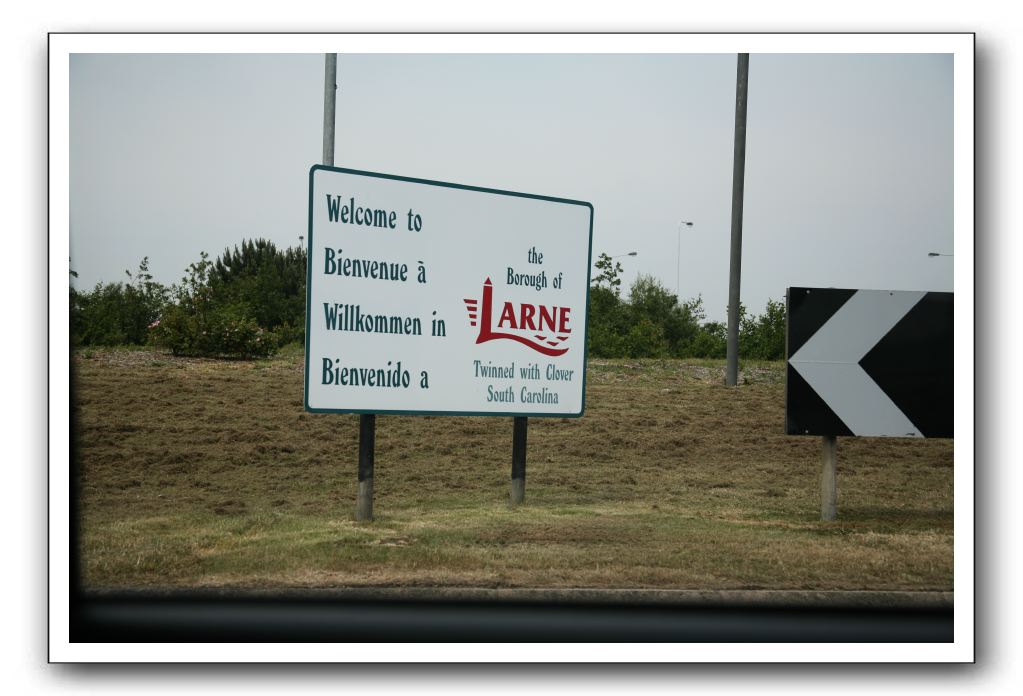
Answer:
(209, 473)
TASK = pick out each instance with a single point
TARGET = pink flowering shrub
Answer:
(222, 332)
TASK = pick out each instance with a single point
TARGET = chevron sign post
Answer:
(867, 363)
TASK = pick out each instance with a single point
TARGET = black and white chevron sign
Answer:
(869, 362)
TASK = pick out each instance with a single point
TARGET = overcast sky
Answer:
(849, 160)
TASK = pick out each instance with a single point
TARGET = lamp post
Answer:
(934, 253)
(678, 252)
(618, 256)
(301, 241)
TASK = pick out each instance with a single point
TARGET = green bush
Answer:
(763, 337)
(652, 322)
(198, 322)
(646, 340)
(117, 313)
(221, 332)
(711, 341)
(607, 323)
(286, 334)
(245, 304)
(651, 303)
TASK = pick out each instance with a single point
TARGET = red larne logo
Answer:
(545, 327)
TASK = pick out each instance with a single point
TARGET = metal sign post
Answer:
(829, 488)
(518, 476)
(866, 363)
(367, 446)
(367, 422)
(435, 298)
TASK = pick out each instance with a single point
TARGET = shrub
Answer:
(651, 303)
(607, 325)
(221, 332)
(711, 341)
(762, 337)
(199, 323)
(286, 334)
(117, 313)
(652, 322)
(646, 340)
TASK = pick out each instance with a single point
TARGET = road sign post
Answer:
(426, 297)
(367, 422)
(367, 451)
(875, 363)
(518, 475)
(829, 482)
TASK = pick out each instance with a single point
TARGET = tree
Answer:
(269, 284)
(607, 319)
(74, 310)
(607, 323)
(609, 276)
(201, 320)
(650, 301)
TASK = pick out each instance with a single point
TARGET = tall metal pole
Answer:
(367, 421)
(738, 178)
(329, 101)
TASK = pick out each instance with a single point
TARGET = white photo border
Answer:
(961, 45)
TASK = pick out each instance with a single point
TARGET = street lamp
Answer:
(301, 239)
(631, 253)
(934, 253)
(678, 252)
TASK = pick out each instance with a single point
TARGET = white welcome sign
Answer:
(437, 298)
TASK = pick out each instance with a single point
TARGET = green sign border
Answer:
(309, 287)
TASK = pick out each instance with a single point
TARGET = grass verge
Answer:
(209, 473)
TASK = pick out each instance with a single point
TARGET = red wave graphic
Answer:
(486, 334)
